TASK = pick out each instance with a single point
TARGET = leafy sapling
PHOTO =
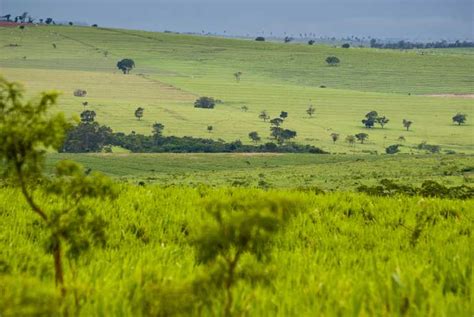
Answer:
(68, 214)
(240, 229)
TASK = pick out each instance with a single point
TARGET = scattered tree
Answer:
(276, 122)
(48, 21)
(139, 113)
(392, 149)
(287, 39)
(401, 138)
(310, 111)
(311, 42)
(237, 76)
(85, 104)
(260, 39)
(244, 108)
(157, 129)
(382, 121)
(362, 137)
(351, 139)
(210, 128)
(80, 93)
(407, 124)
(332, 61)
(346, 45)
(88, 116)
(460, 118)
(254, 137)
(334, 137)
(282, 135)
(126, 65)
(205, 102)
(264, 116)
(283, 114)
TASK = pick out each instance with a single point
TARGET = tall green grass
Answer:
(342, 255)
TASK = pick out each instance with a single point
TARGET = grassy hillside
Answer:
(173, 70)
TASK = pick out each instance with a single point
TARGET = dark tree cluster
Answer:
(373, 118)
(205, 103)
(406, 45)
(92, 137)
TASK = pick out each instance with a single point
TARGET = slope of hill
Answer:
(173, 70)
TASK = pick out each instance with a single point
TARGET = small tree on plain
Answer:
(310, 111)
(126, 65)
(382, 121)
(264, 116)
(333, 60)
(244, 108)
(205, 103)
(283, 114)
(334, 137)
(237, 76)
(362, 137)
(311, 42)
(276, 122)
(460, 118)
(139, 113)
(260, 39)
(401, 138)
(392, 149)
(407, 124)
(346, 45)
(351, 139)
(210, 128)
(157, 130)
(88, 116)
(254, 137)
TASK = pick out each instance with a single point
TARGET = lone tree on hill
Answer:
(334, 137)
(407, 124)
(382, 121)
(351, 139)
(276, 122)
(254, 137)
(362, 137)
(310, 111)
(205, 102)
(460, 118)
(88, 116)
(237, 76)
(139, 113)
(264, 116)
(126, 65)
(333, 60)
(157, 129)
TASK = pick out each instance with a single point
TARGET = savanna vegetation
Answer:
(231, 234)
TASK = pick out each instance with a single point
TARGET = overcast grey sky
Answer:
(412, 19)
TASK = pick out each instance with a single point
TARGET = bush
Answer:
(205, 103)
(392, 149)
(260, 39)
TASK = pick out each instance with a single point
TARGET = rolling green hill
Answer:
(173, 70)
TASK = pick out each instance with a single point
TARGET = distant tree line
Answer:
(89, 136)
(407, 45)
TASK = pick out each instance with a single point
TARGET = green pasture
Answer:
(329, 172)
(173, 70)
